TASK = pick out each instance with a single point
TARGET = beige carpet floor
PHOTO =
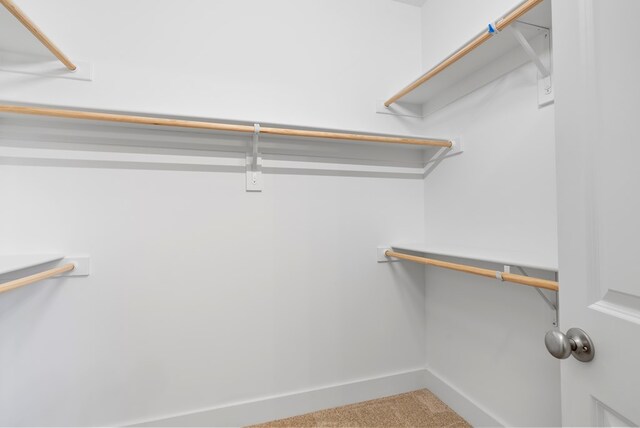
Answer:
(413, 409)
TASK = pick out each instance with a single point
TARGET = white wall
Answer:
(202, 295)
(305, 62)
(483, 337)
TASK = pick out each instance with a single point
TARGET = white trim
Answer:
(282, 406)
(298, 403)
(471, 411)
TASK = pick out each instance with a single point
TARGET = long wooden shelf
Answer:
(488, 273)
(482, 52)
(547, 261)
(223, 127)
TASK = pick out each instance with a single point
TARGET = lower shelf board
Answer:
(547, 262)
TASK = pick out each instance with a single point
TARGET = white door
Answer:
(597, 87)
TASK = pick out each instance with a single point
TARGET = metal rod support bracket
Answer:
(382, 254)
(553, 305)
(254, 162)
(541, 59)
(528, 49)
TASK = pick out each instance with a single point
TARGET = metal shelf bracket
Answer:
(542, 61)
(552, 303)
(254, 162)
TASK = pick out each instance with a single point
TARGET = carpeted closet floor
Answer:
(413, 409)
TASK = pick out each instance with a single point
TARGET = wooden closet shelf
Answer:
(547, 261)
(478, 54)
(225, 127)
(488, 273)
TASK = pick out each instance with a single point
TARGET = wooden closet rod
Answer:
(523, 8)
(142, 120)
(21, 282)
(33, 28)
(510, 277)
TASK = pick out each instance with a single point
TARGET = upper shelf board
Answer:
(497, 56)
(12, 263)
(547, 262)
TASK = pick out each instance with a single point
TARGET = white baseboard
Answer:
(298, 403)
(301, 402)
(471, 411)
